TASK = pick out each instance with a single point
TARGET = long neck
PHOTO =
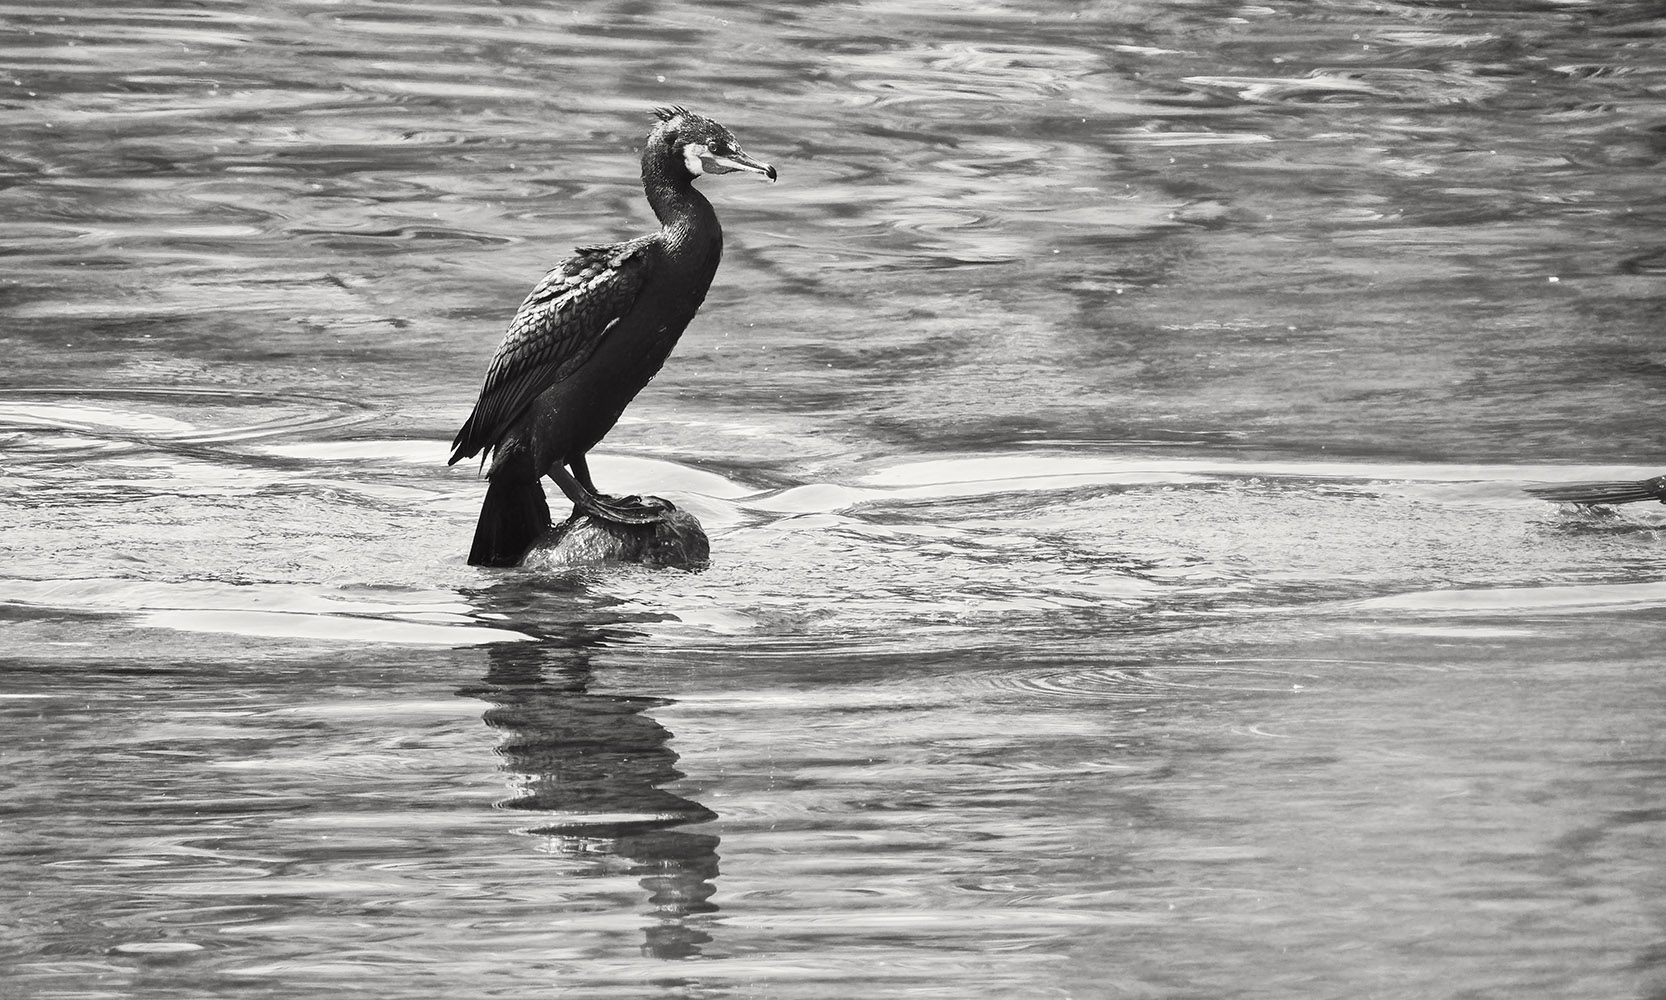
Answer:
(686, 219)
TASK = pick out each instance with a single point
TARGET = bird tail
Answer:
(513, 517)
(1603, 493)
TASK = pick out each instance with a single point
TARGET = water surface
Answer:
(1111, 431)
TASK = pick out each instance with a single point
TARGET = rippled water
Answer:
(1110, 431)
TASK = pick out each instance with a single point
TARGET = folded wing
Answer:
(553, 334)
(1604, 493)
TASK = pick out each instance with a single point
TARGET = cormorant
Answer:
(588, 338)
(1604, 493)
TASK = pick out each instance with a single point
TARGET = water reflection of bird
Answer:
(589, 770)
(588, 338)
(1604, 493)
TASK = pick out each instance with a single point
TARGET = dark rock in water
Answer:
(582, 541)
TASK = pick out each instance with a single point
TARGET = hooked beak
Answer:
(740, 161)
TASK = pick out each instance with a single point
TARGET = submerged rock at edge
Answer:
(580, 541)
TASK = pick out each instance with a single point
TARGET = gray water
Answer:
(1111, 432)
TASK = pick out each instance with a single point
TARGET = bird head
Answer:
(703, 146)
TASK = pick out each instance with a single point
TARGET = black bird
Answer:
(1604, 493)
(588, 338)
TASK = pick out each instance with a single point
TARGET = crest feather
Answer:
(667, 113)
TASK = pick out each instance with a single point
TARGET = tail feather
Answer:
(1603, 493)
(513, 517)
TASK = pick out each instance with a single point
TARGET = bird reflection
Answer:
(589, 769)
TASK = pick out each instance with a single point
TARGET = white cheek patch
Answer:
(694, 156)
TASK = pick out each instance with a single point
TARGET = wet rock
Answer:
(677, 541)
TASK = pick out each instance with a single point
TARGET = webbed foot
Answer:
(631, 510)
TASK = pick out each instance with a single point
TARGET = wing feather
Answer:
(554, 332)
(1604, 493)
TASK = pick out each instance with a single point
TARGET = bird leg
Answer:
(581, 472)
(581, 490)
